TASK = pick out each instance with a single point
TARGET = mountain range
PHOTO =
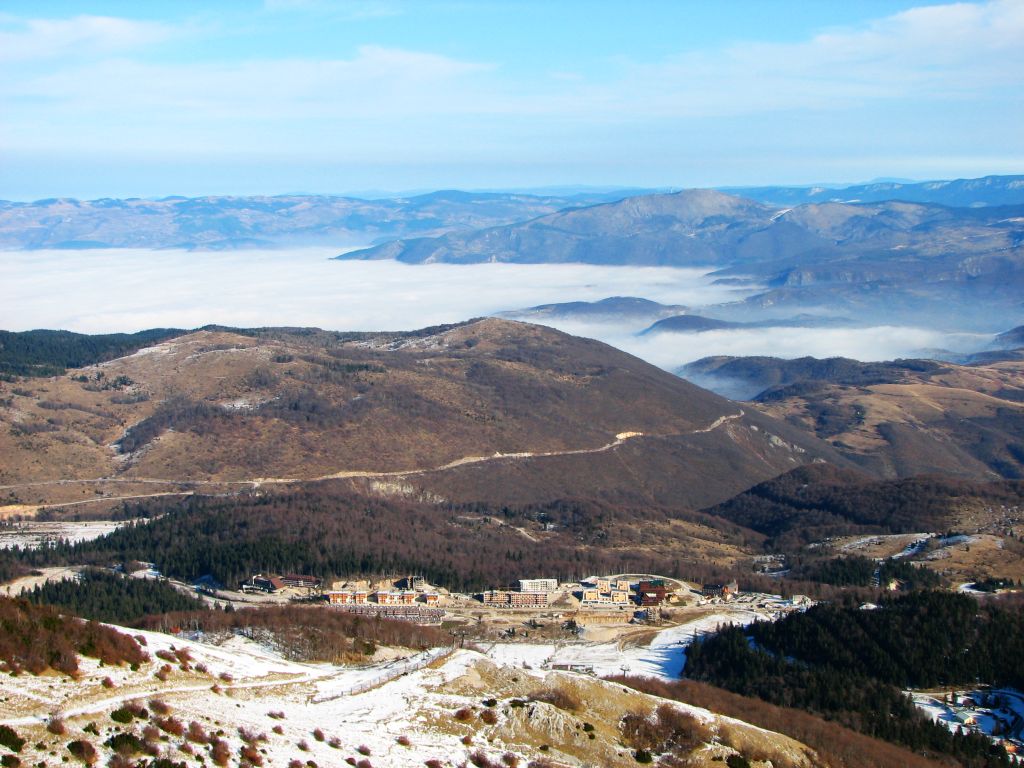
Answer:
(988, 190)
(901, 258)
(896, 419)
(220, 222)
(489, 410)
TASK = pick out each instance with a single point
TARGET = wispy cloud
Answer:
(352, 10)
(88, 36)
(942, 81)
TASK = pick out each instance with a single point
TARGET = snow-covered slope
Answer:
(449, 706)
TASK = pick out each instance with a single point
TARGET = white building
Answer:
(538, 585)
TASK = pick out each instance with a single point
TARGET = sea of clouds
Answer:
(111, 290)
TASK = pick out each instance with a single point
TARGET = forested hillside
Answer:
(816, 502)
(105, 596)
(325, 530)
(852, 665)
(50, 353)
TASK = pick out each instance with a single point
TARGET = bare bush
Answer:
(160, 707)
(220, 752)
(197, 734)
(251, 755)
(170, 725)
(489, 716)
(558, 697)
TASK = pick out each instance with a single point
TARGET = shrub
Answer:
(276, 715)
(489, 716)
(558, 697)
(480, 760)
(170, 725)
(159, 706)
(10, 739)
(125, 744)
(197, 734)
(278, 730)
(163, 673)
(334, 742)
(510, 760)
(249, 737)
(737, 761)
(10, 761)
(83, 750)
(467, 740)
(643, 756)
(364, 764)
(362, 749)
(303, 745)
(434, 763)
(56, 726)
(220, 752)
(463, 714)
(107, 683)
(250, 754)
(404, 741)
(318, 734)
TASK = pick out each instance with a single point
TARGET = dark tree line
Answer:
(108, 597)
(857, 571)
(324, 531)
(851, 665)
(50, 353)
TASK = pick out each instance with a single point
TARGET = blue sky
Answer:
(149, 99)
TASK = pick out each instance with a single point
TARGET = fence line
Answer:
(399, 668)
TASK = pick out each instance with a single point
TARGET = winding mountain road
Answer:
(620, 439)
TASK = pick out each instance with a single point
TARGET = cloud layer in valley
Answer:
(102, 291)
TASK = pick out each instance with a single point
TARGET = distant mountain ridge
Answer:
(988, 190)
(897, 418)
(223, 222)
(903, 259)
(611, 309)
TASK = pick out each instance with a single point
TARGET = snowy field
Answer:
(989, 712)
(663, 658)
(33, 535)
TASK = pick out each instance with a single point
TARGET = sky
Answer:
(122, 99)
